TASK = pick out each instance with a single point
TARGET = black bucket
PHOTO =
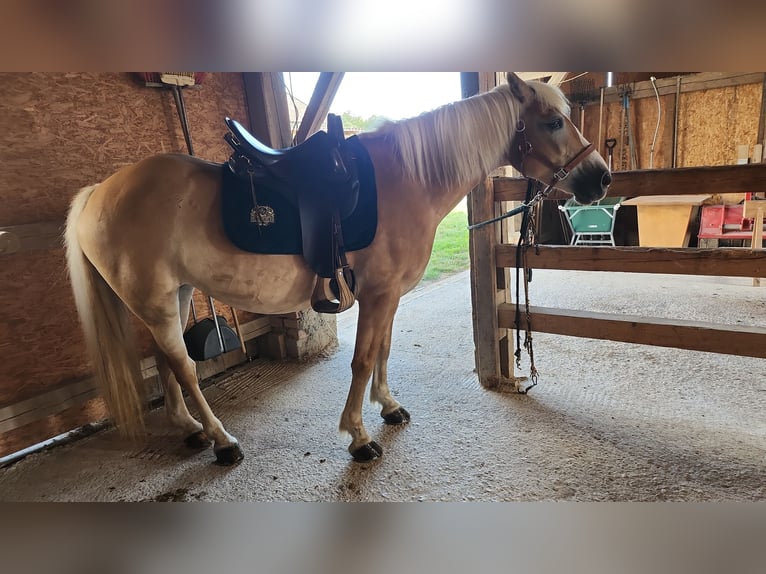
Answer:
(202, 339)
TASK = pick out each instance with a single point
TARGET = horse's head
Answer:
(548, 147)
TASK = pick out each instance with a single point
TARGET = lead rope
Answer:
(531, 240)
(526, 237)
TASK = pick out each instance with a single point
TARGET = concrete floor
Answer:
(608, 421)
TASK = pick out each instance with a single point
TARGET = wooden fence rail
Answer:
(494, 313)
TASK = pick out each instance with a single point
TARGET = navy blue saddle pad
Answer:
(284, 236)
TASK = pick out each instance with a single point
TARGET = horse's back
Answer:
(133, 217)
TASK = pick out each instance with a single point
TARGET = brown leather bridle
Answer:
(560, 173)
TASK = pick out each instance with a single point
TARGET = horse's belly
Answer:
(269, 284)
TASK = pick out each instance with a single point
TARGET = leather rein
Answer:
(560, 173)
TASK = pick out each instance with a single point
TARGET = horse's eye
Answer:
(556, 124)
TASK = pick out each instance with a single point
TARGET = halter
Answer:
(560, 173)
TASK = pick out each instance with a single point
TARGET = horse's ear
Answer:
(519, 88)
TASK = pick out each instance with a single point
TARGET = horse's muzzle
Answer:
(591, 186)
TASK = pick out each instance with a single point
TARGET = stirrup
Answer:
(324, 296)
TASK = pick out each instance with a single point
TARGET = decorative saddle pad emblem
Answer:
(262, 216)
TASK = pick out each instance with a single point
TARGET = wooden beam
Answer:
(72, 396)
(761, 137)
(31, 237)
(557, 78)
(723, 262)
(526, 76)
(321, 99)
(267, 108)
(689, 83)
(693, 335)
(642, 182)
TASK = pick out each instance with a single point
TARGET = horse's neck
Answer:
(443, 201)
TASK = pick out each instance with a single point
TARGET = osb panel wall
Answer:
(64, 131)
(61, 132)
(713, 122)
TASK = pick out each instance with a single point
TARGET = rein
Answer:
(560, 173)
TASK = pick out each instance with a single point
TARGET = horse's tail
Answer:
(108, 331)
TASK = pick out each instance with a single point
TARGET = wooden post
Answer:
(754, 209)
(267, 107)
(267, 104)
(483, 286)
(321, 100)
(493, 350)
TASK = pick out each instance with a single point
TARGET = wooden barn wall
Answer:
(711, 123)
(62, 132)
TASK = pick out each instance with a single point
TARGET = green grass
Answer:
(450, 251)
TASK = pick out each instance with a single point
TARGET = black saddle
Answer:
(319, 177)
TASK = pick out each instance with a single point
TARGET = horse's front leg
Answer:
(373, 328)
(390, 409)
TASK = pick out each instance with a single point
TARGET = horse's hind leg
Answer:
(169, 338)
(391, 411)
(175, 407)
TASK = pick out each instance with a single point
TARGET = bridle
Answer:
(560, 173)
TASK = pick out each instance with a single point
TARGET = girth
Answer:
(320, 178)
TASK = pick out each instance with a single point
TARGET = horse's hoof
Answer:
(367, 452)
(397, 417)
(229, 455)
(197, 440)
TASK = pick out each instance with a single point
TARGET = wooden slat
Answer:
(678, 181)
(722, 261)
(73, 395)
(693, 335)
(321, 99)
(30, 236)
(48, 427)
(689, 83)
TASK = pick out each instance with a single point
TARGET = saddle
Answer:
(319, 177)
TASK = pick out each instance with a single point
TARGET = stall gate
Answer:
(492, 255)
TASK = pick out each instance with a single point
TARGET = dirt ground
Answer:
(608, 421)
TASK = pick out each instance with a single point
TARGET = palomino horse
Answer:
(147, 235)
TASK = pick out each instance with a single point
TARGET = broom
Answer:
(583, 91)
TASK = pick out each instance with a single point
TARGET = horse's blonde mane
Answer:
(461, 142)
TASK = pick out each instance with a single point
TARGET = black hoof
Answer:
(229, 455)
(367, 452)
(397, 417)
(197, 441)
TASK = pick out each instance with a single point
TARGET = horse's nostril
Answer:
(606, 179)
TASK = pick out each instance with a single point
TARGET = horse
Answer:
(142, 239)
